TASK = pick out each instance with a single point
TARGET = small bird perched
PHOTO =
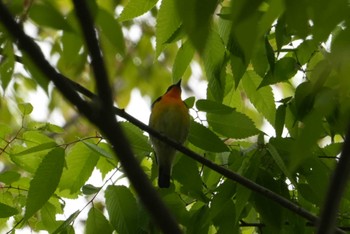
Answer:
(170, 117)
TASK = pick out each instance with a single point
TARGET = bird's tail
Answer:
(163, 177)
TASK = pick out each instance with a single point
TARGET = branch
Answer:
(97, 63)
(107, 124)
(327, 222)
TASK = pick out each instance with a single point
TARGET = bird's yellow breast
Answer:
(170, 117)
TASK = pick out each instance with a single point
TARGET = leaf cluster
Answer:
(276, 112)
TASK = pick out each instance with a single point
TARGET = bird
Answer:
(170, 117)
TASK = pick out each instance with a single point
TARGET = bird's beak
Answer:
(178, 84)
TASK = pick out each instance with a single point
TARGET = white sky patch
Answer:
(139, 106)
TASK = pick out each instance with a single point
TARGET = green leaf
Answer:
(35, 149)
(8, 177)
(271, 213)
(7, 211)
(89, 189)
(235, 125)
(196, 18)
(97, 223)
(31, 161)
(307, 140)
(35, 73)
(279, 120)
(176, 206)
(305, 51)
(213, 107)
(7, 64)
(110, 27)
(244, 34)
(182, 60)
(282, 36)
(72, 54)
(186, 173)
(199, 219)
(122, 209)
(168, 22)
(237, 61)
(138, 141)
(213, 56)
(285, 68)
(44, 14)
(45, 181)
(297, 18)
(190, 101)
(262, 98)
(49, 210)
(105, 165)
(80, 162)
(205, 139)
(99, 150)
(25, 108)
(65, 225)
(326, 16)
(135, 8)
(280, 163)
(262, 57)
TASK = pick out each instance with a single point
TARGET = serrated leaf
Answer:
(25, 108)
(262, 98)
(66, 223)
(168, 22)
(7, 211)
(213, 107)
(45, 181)
(122, 209)
(205, 139)
(136, 8)
(235, 125)
(97, 223)
(182, 60)
(80, 161)
(89, 189)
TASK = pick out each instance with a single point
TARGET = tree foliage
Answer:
(270, 128)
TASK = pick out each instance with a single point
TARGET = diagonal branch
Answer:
(327, 222)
